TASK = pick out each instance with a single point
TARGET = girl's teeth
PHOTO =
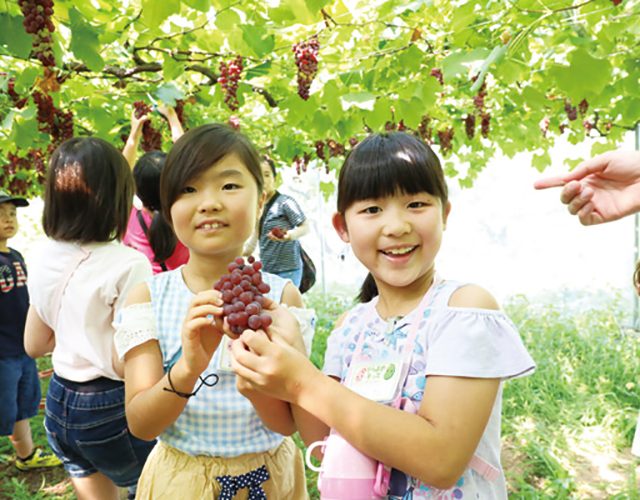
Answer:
(399, 251)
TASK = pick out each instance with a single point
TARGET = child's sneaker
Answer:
(38, 459)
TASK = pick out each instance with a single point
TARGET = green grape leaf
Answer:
(13, 35)
(84, 41)
(169, 93)
(257, 39)
(155, 12)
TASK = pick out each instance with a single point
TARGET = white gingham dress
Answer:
(218, 421)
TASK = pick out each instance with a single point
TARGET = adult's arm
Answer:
(602, 189)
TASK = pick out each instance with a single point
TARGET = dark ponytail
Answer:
(162, 239)
(368, 290)
(146, 174)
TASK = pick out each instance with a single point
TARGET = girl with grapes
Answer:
(216, 438)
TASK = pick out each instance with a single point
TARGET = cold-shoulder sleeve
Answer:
(478, 343)
(307, 321)
(135, 325)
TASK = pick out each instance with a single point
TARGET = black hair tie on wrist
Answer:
(187, 395)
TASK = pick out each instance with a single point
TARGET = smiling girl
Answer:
(436, 425)
(214, 441)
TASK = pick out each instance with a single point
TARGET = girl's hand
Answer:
(244, 387)
(166, 111)
(284, 325)
(285, 236)
(137, 123)
(202, 330)
(271, 366)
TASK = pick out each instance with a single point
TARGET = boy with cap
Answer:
(19, 383)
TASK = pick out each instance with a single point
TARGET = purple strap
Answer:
(414, 326)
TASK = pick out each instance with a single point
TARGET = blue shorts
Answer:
(19, 391)
(295, 275)
(87, 430)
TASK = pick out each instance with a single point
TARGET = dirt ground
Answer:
(597, 468)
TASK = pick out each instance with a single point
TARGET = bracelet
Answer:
(187, 395)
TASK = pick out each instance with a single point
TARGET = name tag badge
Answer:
(225, 355)
(377, 379)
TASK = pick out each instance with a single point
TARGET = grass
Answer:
(567, 429)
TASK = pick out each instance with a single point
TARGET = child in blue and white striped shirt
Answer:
(214, 439)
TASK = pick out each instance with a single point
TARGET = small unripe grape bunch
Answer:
(242, 293)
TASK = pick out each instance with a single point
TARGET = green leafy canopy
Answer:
(474, 78)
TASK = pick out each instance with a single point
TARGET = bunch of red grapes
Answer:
(437, 74)
(20, 184)
(444, 138)
(583, 106)
(228, 79)
(319, 145)
(141, 108)
(242, 293)
(151, 137)
(62, 127)
(571, 111)
(37, 22)
(18, 102)
(334, 147)
(478, 99)
(179, 107)
(278, 232)
(301, 163)
(470, 125)
(56, 122)
(425, 131)
(485, 122)
(306, 55)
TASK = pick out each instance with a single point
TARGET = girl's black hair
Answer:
(196, 151)
(384, 165)
(272, 164)
(146, 174)
(88, 192)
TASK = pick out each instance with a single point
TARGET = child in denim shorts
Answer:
(19, 383)
(79, 279)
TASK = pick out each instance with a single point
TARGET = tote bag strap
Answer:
(82, 255)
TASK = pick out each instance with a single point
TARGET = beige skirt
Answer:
(172, 474)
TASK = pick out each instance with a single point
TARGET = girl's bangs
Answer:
(382, 173)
